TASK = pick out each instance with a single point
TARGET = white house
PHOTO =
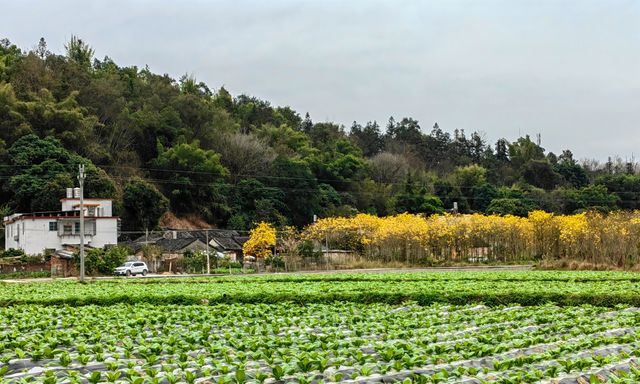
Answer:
(38, 232)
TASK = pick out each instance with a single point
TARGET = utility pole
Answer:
(208, 263)
(81, 177)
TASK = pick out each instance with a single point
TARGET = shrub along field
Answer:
(458, 327)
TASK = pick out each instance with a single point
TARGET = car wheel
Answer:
(144, 272)
(128, 273)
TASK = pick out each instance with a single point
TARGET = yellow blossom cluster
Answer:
(593, 237)
(261, 241)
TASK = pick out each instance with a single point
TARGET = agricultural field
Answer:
(357, 328)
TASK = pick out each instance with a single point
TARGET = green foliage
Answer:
(527, 288)
(295, 178)
(147, 139)
(482, 195)
(572, 173)
(593, 197)
(195, 261)
(511, 206)
(449, 193)
(25, 275)
(12, 253)
(253, 202)
(43, 169)
(274, 261)
(470, 176)
(416, 200)
(143, 204)
(625, 187)
(523, 151)
(368, 138)
(307, 250)
(102, 261)
(79, 52)
(195, 180)
(540, 173)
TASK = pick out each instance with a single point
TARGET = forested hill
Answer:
(157, 144)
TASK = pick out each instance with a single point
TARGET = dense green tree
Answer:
(194, 180)
(252, 113)
(571, 172)
(368, 138)
(523, 150)
(592, 197)
(449, 193)
(510, 206)
(625, 187)
(286, 141)
(469, 176)
(413, 199)
(325, 134)
(339, 164)
(43, 168)
(10, 54)
(482, 195)
(301, 195)
(143, 205)
(253, 202)
(540, 173)
(79, 52)
(502, 151)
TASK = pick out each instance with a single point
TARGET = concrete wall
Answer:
(106, 233)
(35, 236)
(105, 205)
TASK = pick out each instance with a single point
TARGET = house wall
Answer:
(106, 205)
(106, 233)
(34, 236)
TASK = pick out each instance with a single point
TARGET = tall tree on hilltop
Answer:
(79, 52)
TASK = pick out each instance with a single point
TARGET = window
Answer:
(76, 227)
(53, 225)
(138, 264)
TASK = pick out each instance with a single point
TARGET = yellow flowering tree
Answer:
(598, 238)
(261, 241)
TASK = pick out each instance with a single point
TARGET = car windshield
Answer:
(127, 265)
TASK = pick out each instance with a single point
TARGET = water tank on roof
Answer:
(76, 193)
(69, 193)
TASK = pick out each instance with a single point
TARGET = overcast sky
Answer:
(569, 70)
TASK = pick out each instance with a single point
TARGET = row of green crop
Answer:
(305, 343)
(577, 276)
(602, 293)
(408, 276)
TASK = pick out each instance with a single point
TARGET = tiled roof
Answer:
(227, 244)
(172, 245)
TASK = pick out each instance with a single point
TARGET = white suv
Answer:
(132, 268)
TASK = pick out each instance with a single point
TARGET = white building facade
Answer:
(36, 233)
